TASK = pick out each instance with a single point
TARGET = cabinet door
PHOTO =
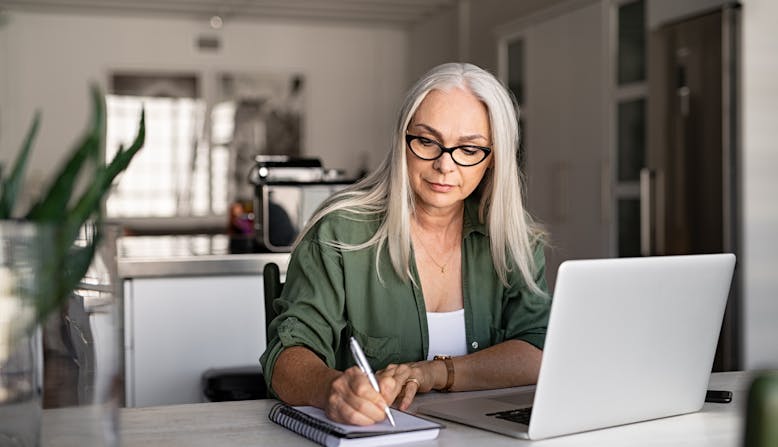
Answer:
(565, 121)
(176, 328)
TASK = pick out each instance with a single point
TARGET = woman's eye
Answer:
(426, 141)
(469, 151)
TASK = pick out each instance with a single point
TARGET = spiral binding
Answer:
(307, 426)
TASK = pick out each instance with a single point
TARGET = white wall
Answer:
(760, 164)
(355, 75)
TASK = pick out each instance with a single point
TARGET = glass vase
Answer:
(67, 363)
(21, 251)
(82, 343)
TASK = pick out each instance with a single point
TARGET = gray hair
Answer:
(387, 190)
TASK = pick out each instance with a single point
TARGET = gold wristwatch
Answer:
(450, 371)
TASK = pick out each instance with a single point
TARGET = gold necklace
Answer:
(429, 255)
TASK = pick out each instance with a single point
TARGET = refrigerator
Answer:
(689, 187)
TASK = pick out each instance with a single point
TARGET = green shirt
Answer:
(331, 294)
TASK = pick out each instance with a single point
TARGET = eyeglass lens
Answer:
(430, 150)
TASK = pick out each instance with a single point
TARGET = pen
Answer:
(359, 357)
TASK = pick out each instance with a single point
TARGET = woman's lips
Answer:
(440, 187)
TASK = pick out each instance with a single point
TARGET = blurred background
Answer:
(648, 126)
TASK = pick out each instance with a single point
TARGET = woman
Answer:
(431, 263)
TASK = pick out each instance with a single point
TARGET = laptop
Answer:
(628, 340)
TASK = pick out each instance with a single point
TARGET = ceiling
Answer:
(387, 12)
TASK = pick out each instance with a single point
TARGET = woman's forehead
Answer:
(455, 109)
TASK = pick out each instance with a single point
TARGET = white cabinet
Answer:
(178, 327)
(565, 127)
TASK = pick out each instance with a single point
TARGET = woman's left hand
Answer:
(412, 378)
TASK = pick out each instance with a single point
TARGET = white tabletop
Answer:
(245, 423)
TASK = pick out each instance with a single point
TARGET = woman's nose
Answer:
(444, 163)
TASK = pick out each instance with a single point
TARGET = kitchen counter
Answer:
(211, 302)
(195, 255)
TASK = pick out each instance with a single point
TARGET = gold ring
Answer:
(414, 380)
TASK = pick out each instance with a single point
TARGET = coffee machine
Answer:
(287, 191)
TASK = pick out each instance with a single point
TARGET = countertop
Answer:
(191, 255)
(246, 423)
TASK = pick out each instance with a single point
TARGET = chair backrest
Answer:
(271, 276)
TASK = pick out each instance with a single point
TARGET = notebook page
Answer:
(405, 422)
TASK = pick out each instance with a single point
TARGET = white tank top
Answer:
(446, 333)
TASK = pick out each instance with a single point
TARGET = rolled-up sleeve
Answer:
(310, 308)
(526, 312)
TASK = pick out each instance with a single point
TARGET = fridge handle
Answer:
(647, 179)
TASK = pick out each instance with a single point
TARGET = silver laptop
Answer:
(628, 340)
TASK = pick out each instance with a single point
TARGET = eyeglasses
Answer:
(428, 149)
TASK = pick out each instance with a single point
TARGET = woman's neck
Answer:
(440, 224)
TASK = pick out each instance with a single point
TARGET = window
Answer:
(630, 92)
(176, 174)
(173, 175)
(197, 153)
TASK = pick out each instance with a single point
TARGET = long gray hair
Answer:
(387, 190)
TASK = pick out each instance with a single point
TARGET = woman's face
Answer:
(452, 118)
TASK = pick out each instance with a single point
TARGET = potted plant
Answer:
(44, 253)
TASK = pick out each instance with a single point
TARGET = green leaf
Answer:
(65, 264)
(78, 263)
(65, 270)
(90, 200)
(54, 203)
(75, 263)
(122, 159)
(11, 185)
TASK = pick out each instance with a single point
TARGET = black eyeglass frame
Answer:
(446, 150)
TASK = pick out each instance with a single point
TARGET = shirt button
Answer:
(474, 345)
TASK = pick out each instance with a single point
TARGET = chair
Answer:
(271, 277)
(247, 382)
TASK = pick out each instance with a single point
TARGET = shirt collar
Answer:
(470, 218)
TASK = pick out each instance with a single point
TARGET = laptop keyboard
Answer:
(520, 415)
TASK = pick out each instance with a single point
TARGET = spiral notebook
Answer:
(312, 423)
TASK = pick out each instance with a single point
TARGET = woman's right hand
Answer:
(300, 377)
(352, 400)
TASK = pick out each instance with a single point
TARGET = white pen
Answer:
(361, 360)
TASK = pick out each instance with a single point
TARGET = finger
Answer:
(398, 372)
(339, 411)
(390, 388)
(393, 368)
(364, 398)
(387, 384)
(389, 371)
(354, 400)
(409, 392)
